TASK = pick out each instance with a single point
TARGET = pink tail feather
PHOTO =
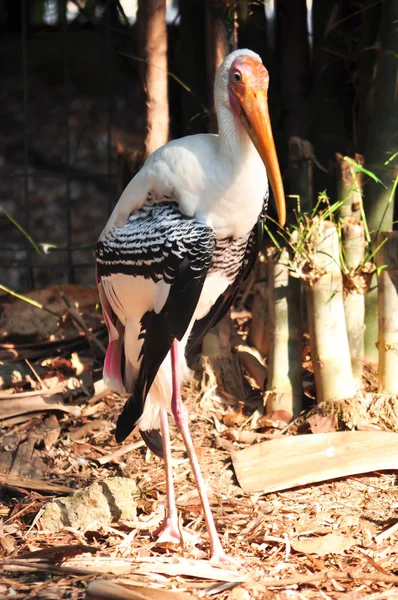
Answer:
(113, 358)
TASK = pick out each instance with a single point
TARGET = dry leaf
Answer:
(318, 563)
(239, 593)
(331, 543)
(278, 419)
(7, 543)
(108, 590)
(319, 424)
(348, 521)
(235, 417)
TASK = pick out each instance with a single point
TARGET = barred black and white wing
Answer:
(242, 260)
(151, 274)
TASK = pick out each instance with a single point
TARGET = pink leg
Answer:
(181, 417)
(168, 530)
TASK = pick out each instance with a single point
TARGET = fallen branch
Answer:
(79, 320)
(108, 590)
(71, 384)
(330, 576)
(120, 452)
(29, 483)
(20, 406)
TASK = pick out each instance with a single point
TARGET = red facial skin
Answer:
(248, 98)
(253, 75)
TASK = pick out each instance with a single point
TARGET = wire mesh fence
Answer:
(67, 104)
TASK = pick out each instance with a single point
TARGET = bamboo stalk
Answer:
(388, 312)
(284, 376)
(371, 322)
(300, 171)
(349, 188)
(380, 125)
(328, 334)
(354, 298)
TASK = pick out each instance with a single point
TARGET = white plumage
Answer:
(180, 238)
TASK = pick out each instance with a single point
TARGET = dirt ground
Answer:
(326, 540)
(262, 532)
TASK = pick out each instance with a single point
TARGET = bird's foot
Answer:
(220, 558)
(169, 531)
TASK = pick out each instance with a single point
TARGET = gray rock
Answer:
(106, 501)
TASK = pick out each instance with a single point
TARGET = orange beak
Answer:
(255, 119)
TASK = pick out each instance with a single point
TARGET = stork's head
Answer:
(242, 86)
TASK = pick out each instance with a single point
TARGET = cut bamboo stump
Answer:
(388, 312)
(354, 296)
(349, 188)
(289, 461)
(284, 375)
(330, 351)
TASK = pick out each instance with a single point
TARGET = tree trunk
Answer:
(152, 31)
(300, 173)
(284, 361)
(388, 312)
(191, 49)
(381, 143)
(218, 44)
(330, 100)
(330, 351)
(295, 70)
(368, 59)
(259, 324)
(295, 77)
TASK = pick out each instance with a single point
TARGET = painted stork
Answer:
(183, 236)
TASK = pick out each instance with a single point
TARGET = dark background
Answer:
(72, 108)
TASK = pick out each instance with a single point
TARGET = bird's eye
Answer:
(237, 77)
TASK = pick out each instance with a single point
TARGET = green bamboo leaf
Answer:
(267, 229)
(371, 255)
(360, 169)
(380, 269)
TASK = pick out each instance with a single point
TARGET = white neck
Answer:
(234, 141)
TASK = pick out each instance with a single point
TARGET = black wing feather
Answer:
(158, 242)
(225, 301)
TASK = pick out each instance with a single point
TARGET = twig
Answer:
(386, 533)
(328, 576)
(120, 452)
(78, 319)
(29, 301)
(69, 385)
(43, 385)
